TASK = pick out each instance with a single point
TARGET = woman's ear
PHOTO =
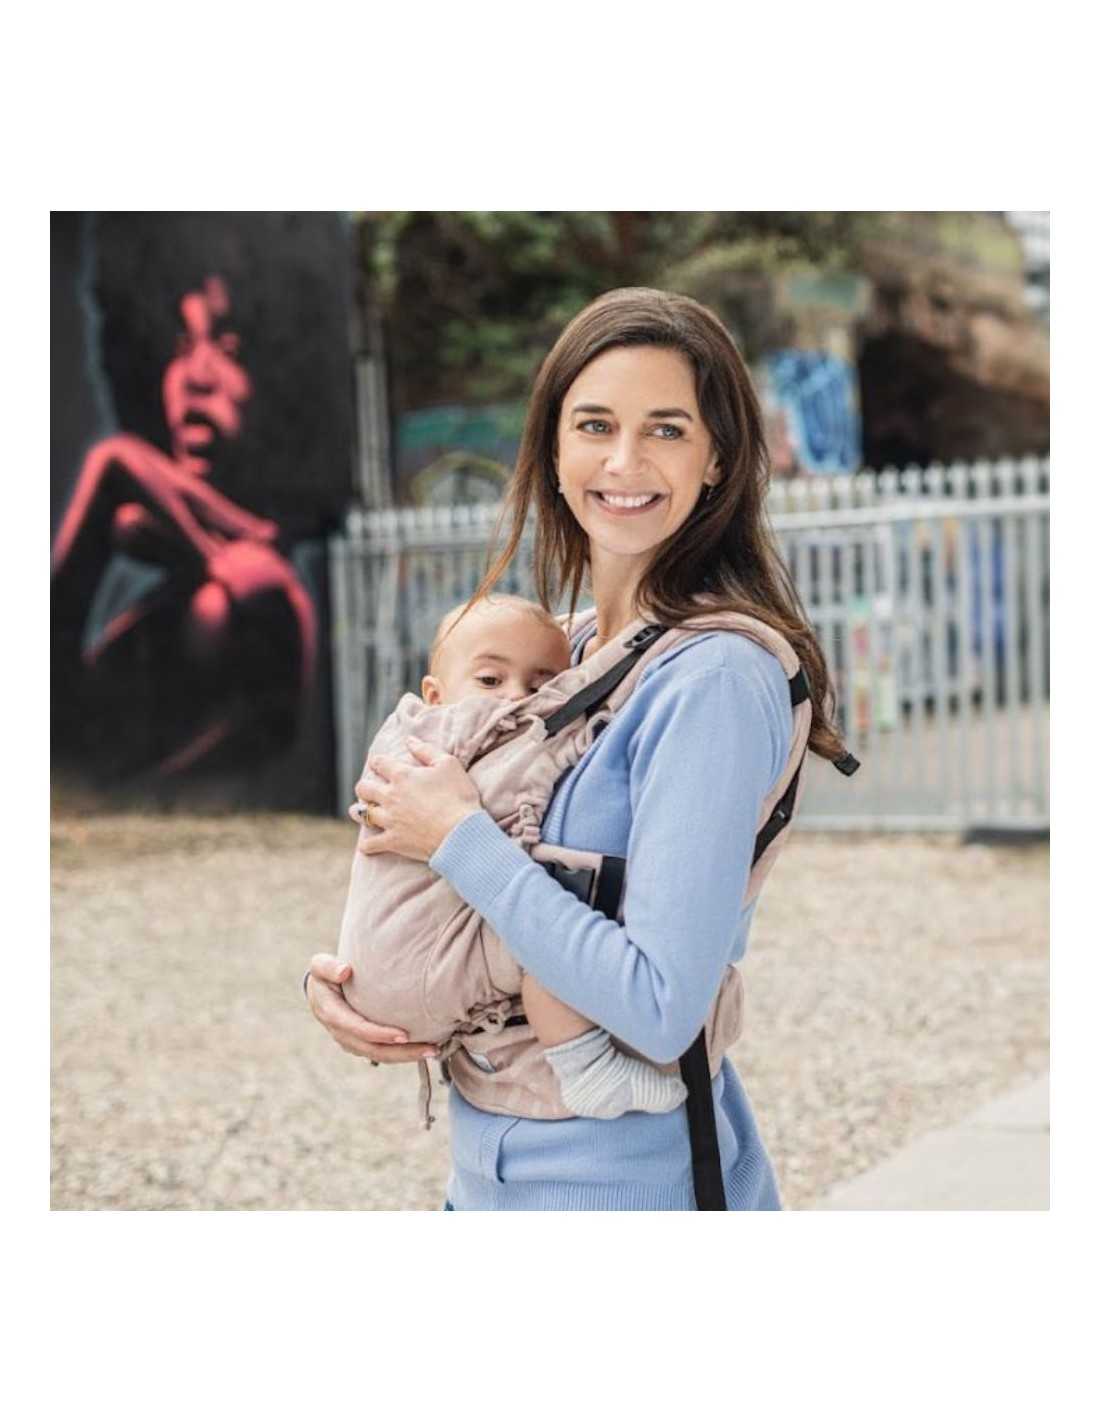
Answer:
(431, 693)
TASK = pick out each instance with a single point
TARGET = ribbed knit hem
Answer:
(749, 1187)
(479, 860)
(749, 1179)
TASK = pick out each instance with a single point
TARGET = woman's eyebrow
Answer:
(653, 414)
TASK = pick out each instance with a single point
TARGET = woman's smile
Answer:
(626, 505)
(632, 448)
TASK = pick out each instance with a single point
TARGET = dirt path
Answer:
(893, 984)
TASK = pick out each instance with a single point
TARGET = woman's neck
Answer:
(614, 588)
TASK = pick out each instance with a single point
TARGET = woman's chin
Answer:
(631, 541)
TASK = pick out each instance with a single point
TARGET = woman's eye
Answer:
(676, 430)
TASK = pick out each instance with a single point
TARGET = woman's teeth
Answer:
(622, 501)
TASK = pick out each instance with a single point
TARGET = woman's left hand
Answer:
(415, 807)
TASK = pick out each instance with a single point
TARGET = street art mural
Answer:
(188, 596)
(811, 411)
(453, 454)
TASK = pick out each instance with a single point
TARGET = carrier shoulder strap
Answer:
(706, 1168)
(590, 696)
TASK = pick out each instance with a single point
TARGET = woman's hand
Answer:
(415, 807)
(348, 1028)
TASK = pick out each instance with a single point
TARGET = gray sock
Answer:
(598, 1080)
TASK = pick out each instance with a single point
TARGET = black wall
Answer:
(178, 677)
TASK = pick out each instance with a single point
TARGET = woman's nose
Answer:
(201, 368)
(624, 456)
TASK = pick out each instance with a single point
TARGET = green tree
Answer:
(472, 300)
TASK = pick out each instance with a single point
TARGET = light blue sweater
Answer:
(674, 784)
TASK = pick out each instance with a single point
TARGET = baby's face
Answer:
(503, 652)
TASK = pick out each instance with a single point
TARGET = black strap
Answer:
(780, 816)
(706, 1164)
(577, 881)
(609, 886)
(800, 691)
(599, 690)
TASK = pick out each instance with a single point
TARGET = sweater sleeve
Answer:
(705, 751)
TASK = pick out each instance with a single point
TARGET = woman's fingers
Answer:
(361, 1038)
(333, 1011)
(370, 789)
(331, 969)
(387, 768)
(350, 1029)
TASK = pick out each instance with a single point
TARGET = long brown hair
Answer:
(725, 550)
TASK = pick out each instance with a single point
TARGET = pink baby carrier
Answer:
(425, 961)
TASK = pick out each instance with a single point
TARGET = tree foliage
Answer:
(472, 300)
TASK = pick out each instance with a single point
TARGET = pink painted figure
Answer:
(222, 649)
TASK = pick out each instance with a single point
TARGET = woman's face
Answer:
(633, 452)
(204, 387)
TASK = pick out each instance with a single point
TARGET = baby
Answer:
(506, 647)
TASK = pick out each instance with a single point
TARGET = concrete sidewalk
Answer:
(996, 1159)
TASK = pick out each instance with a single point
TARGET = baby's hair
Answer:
(449, 619)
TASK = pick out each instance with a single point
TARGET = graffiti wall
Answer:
(201, 448)
(456, 454)
(808, 381)
(811, 411)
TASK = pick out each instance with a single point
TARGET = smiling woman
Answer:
(633, 465)
(644, 455)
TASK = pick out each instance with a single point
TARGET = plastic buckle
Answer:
(644, 637)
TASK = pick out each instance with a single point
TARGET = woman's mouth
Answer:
(626, 505)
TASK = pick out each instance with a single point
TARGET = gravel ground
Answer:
(893, 985)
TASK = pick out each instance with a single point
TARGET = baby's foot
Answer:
(598, 1080)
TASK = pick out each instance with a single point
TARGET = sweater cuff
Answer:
(478, 860)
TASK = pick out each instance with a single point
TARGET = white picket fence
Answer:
(928, 589)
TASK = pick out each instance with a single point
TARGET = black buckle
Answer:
(578, 881)
(644, 637)
(799, 688)
(517, 1021)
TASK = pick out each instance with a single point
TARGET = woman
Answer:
(215, 657)
(644, 453)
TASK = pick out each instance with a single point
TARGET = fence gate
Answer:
(929, 592)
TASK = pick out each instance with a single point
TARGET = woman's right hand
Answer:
(350, 1029)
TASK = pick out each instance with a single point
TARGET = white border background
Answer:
(567, 107)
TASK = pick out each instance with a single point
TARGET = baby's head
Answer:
(505, 646)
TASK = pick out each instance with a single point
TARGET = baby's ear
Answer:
(431, 693)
